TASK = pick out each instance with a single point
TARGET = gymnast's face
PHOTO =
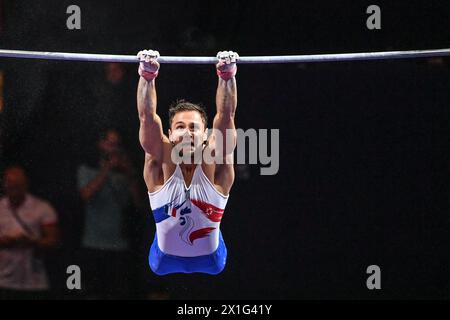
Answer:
(189, 130)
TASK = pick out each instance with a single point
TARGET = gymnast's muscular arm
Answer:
(151, 134)
(226, 103)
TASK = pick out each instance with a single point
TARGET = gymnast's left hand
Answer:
(226, 65)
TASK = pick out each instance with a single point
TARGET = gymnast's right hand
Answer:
(148, 64)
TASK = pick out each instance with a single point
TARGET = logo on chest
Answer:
(190, 232)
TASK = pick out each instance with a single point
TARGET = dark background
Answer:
(363, 162)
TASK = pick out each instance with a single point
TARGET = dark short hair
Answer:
(15, 167)
(183, 105)
(104, 131)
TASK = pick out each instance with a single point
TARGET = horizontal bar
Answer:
(211, 60)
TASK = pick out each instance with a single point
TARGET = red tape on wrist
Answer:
(227, 75)
(147, 75)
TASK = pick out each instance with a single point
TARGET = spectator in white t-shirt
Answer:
(28, 226)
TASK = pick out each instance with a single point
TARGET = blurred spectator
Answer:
(108, 191)
(114, 73)
(436, 61)
(193, 39)
(28, 226)
(113, 97)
